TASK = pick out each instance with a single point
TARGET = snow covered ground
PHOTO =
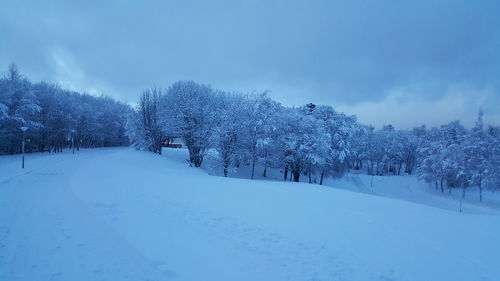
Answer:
(407, 188)
(119, 214)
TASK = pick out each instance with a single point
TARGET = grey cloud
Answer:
(334, 52)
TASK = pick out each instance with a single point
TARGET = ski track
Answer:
(58, 239)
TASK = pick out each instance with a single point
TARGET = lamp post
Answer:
(24, 129)
(73, 140)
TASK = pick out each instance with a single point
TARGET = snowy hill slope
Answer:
(407, 188)
(118, 214)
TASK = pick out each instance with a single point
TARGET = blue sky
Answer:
(400, 62)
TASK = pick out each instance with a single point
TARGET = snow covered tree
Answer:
(55, 116)
(229, 133)
(193, 117)
(300, 143)
(335, 138)
(18, 107)
(481, 156)
(442, 156)
(259, 116)
(143, 126)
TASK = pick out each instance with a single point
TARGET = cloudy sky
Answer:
(400, 62)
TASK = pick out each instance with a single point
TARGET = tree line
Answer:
(56, 118)
(312, 141)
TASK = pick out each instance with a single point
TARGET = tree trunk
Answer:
(199, 160)
(480, 193)
(321, 177)
(296, 175)
(264, 174)
(254, 156)
(461, 199)
(253, 169)
(480, 189)
(226, 166)
(195, 156)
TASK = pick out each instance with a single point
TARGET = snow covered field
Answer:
(119, 214)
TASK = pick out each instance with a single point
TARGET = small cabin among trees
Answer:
(173, 143)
